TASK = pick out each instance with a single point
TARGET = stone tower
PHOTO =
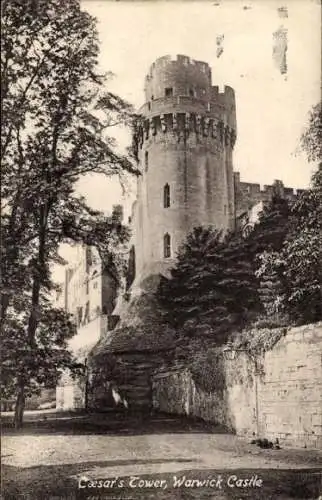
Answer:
(184, 142)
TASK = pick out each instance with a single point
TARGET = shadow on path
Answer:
(51, 482)
(113, 423)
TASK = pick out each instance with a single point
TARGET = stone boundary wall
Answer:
(277, 395)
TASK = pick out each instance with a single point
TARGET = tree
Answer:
(264, 244)
(55, 117)
(272, 286)
(311, 139)
(270, 231)
(40, 365)
(212, 288)
(302, 255)
(303, 249)
(295, 268)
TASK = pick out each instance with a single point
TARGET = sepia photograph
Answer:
(161, 250)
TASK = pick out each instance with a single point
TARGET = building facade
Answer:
(89, 294)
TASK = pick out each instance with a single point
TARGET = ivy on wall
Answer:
(208, 371)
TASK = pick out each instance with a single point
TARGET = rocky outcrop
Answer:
(123, 361)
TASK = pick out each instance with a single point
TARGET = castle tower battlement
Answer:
(184, 142)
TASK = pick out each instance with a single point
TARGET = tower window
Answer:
(169, 92)
(146, 160)
(166, 196)
(167, 245)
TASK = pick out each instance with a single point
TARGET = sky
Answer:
(272, 108)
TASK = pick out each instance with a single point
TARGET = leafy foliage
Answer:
(39, 363)
(270, 231)
(311, 140)
(265, 243)
(294, 270)
(302, 255)
(208, 371)
(56, 113)
(213, 287)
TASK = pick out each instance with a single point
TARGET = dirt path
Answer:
(66, 454)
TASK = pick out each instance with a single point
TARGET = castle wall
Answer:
(277, 395)
(248, 194)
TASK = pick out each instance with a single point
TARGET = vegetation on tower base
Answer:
(213, 288)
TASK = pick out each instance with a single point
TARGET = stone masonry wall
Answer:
(278, 395)
(184, 142)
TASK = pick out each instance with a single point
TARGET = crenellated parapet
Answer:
(181, 61)
(181, 126)
(225, 100)
(183, 75)
(249, 194)
(181, 101)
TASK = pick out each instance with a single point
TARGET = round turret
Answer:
(184, 141)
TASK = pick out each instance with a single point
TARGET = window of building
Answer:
(149, 106)
(169, 92)
(95, 284)
(152, 97)
(79, 316)
(167, 245)
(88, 258)
(191, 92)
(87, 286)
(146, 160)
(86, 313)
(166, 196)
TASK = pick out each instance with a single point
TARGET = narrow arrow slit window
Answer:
(166, 196)
(167, 245)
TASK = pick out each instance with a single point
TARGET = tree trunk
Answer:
(20, 406)
(38, 278)
(4, 306)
